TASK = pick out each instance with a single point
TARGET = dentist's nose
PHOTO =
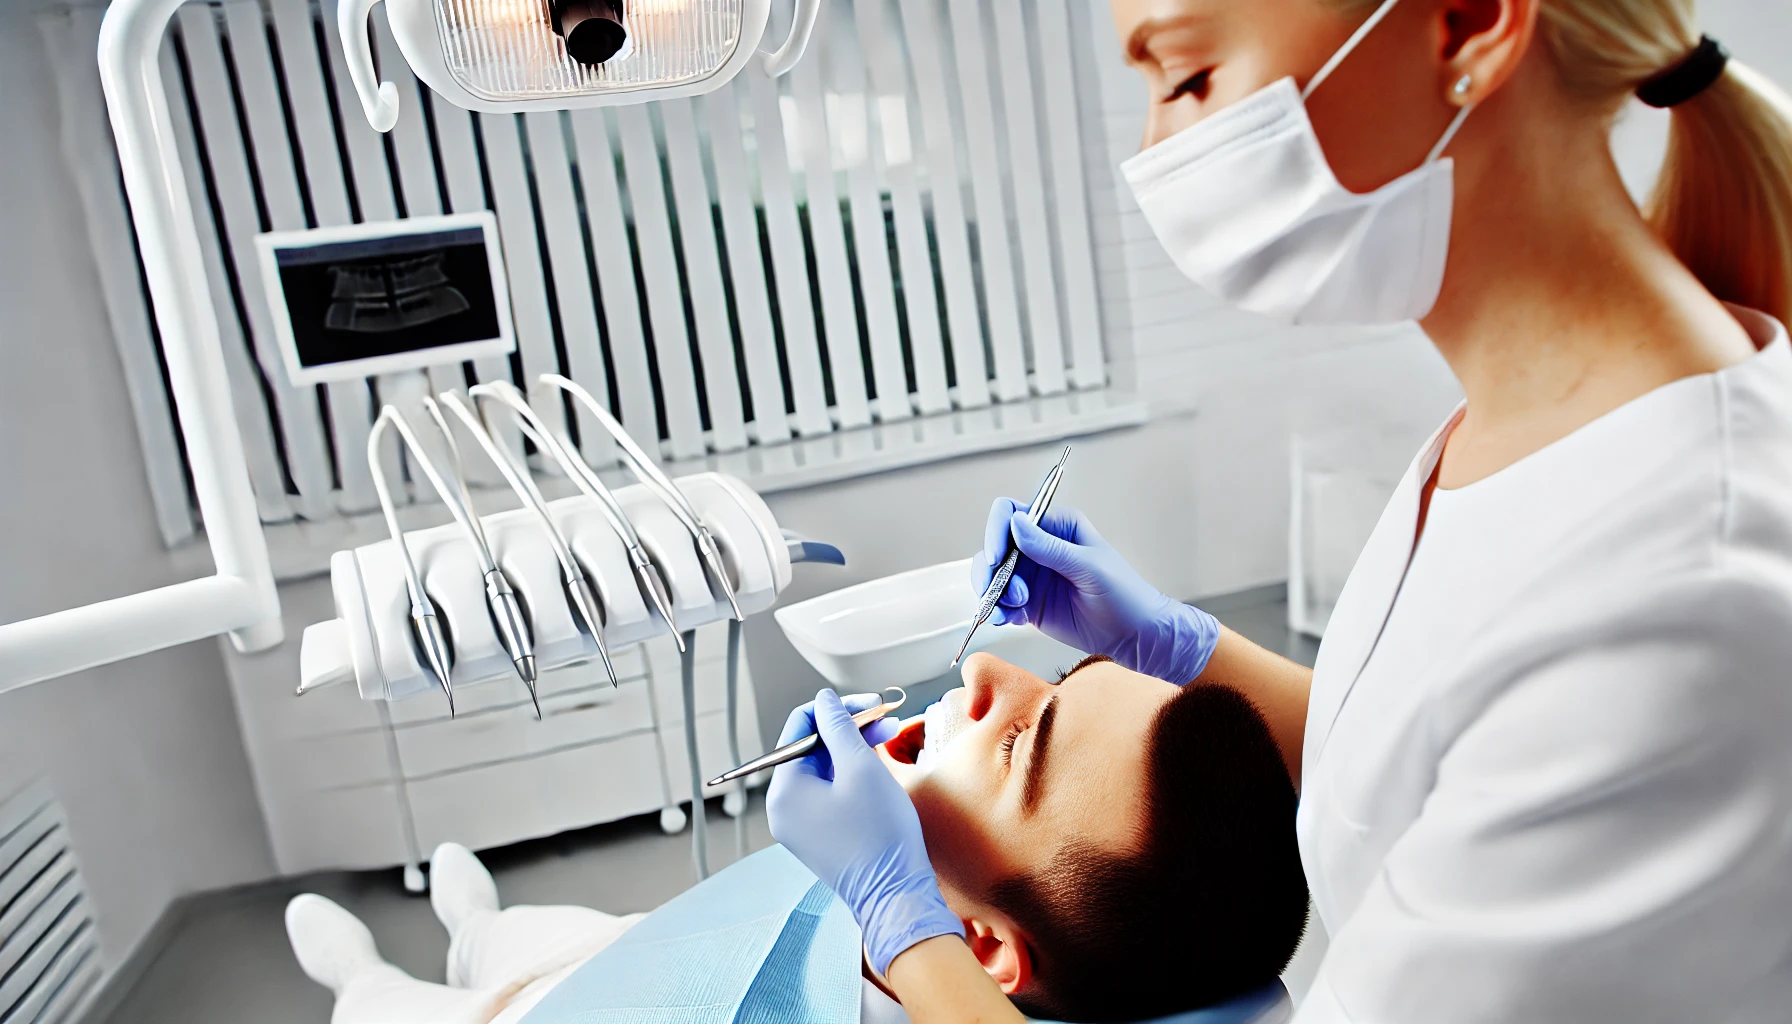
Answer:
(991, 684)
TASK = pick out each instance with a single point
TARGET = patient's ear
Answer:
(1002, 951)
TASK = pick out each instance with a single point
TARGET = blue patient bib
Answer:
(762, 942)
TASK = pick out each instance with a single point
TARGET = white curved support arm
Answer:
(802, 26)
(241, 598)
(379, 100)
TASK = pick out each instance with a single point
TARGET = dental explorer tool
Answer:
(561, 450)
(501, 601)
(806, 746)
(656, 481)
(986, 607)
(426, 625)
(579, 591)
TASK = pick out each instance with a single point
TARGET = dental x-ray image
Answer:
(387, 296)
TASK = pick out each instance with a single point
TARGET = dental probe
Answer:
(806, 746)
(579, 592)
(986, 607)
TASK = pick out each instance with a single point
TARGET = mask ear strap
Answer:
(1350, 44)
(1449, 134)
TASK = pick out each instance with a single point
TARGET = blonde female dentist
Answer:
(1546, 751)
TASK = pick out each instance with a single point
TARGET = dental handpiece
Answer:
(806, 746)
(998, 584)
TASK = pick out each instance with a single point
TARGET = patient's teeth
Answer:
(946, 719)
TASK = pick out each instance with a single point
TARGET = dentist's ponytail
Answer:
(1724, 198)
(1723, 202)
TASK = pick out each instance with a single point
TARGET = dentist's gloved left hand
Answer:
(842, 814)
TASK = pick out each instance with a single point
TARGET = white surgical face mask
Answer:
(1248, 207)
(946, 719)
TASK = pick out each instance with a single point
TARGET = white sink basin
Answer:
(903, 630)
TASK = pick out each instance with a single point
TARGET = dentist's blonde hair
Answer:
(1723, 201)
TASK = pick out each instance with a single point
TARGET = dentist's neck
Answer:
(1560, 303)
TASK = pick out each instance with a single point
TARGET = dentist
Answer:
(1546, 751)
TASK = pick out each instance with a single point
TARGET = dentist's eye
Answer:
(1195, 85)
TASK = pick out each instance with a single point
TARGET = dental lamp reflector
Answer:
(500, 56)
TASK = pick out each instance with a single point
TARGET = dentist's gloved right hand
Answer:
(1079, 591)
(842, 814)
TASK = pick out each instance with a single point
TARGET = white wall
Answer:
(144, 755)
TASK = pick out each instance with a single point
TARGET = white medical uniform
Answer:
(1548, 755)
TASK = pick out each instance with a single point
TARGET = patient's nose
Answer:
(994, 685)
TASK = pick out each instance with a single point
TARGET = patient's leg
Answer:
(336, 950)
(489, 948)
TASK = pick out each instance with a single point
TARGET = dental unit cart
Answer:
(511, 634)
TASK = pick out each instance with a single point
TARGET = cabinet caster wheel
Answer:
(415, 881)
(671, 820)
(734, 804)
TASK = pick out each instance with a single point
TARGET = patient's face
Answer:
(1041, 763)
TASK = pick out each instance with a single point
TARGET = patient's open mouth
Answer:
(906, 745)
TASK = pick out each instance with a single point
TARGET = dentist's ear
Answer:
(1002, 951)
(1482, 43)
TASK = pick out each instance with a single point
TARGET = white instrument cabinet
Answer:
(372, 769)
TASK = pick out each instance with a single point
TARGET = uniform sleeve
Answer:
(1607, 838)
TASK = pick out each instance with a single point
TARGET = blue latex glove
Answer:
(1079, 591)
(842, 814)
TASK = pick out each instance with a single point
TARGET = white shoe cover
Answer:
(460, 888)
(332, 945)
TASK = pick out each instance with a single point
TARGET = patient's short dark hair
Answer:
(1213, 904)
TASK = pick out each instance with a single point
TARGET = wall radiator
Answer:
(49, 956)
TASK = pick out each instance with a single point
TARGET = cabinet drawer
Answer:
(569, 718)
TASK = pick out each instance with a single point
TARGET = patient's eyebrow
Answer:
(1034, 785)
(1093, 659)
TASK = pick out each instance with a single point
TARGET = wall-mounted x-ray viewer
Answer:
(353, 302)
(510, 55)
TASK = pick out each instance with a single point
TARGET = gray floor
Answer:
(227, 960)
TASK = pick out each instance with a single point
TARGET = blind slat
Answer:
(296, 409)
(740, 226)
(1075, 247)
(789, 257)
(951, 233)
(246, 403)
(466, 194)
(827, 236)
(850, 120)
(889, 102)
(1025, 170)
(522, 258)
(988, 193)
(616, 278)
(665, 299)
(566, 253)
(703, 275)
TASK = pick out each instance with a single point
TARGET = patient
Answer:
(1118, 848)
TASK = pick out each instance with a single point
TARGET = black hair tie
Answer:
(1703, 67)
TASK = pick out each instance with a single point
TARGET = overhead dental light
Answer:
(499, 56)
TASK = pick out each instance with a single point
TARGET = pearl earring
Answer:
(1463, 85)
